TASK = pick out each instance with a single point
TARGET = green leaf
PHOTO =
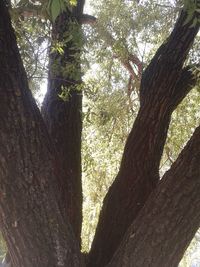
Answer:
(73, 2)
(55, 8)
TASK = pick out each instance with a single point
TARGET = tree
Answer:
(63, 118)
(166, 216)
(38, 182)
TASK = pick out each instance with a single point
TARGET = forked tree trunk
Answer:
(164, 84)
(30, 218)
(170, 218)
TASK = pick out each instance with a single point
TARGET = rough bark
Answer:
(63, 117)
(164, 84)
(30, 218)
(170, 218)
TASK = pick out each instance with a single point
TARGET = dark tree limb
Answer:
(78, 9)
(169, 220)
(164, 84)
(63, 119)
(168, 60)
(87, 19)
(30, 217)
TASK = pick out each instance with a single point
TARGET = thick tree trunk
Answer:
(63, 117)
(170, 218)
(30, 218)
(164, 85)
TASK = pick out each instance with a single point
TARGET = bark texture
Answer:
(164, 84)
(170, 218)
(30, 218)
(63, 117)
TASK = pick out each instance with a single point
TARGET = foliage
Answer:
(3, 247)
(191, 257)
(33, 36)
(107, 121)
(193, 9)
(67, 65)
(56, 7)
(184, 121)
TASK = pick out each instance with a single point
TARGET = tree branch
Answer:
(171, 215)
(87, 19)
(78, 9)
(164, 84)
(169, 59)
(29, 172)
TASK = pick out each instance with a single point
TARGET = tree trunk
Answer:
(30, 218)
(63, 117)
(164, 84)
(170, 218)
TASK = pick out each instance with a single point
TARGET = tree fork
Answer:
(170, 218)
(162, 88)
